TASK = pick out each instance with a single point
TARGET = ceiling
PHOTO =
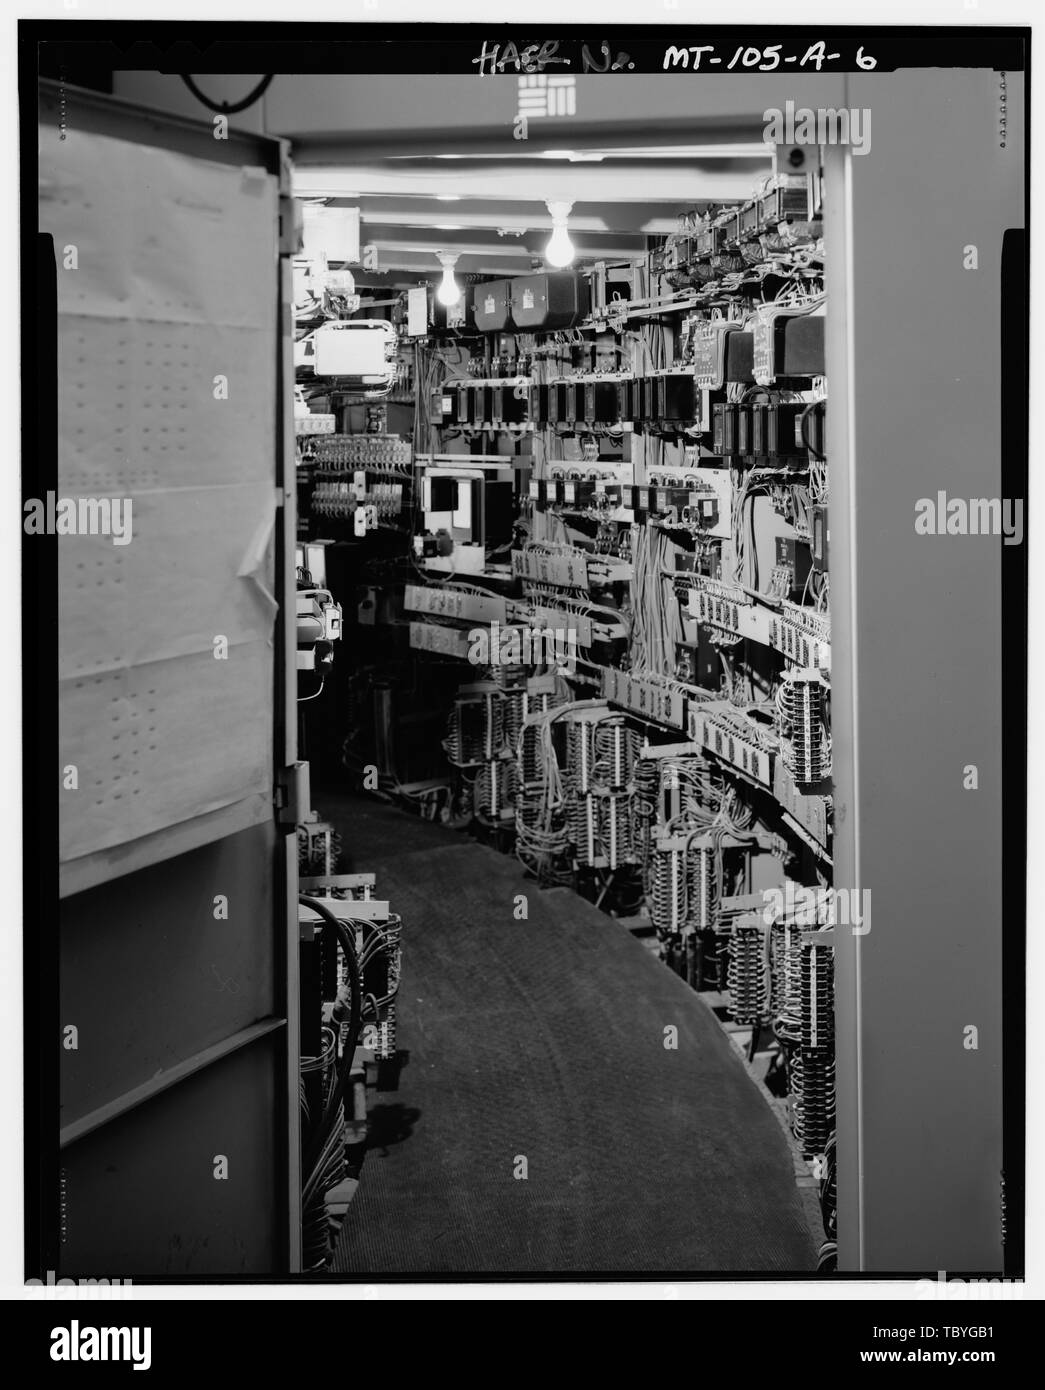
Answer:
(492, 211)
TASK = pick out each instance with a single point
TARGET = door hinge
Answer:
(292, 798)
(289, 225)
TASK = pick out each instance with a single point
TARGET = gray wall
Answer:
(917, 685)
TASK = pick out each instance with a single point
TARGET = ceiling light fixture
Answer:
(448, 197)
(560, 249)
(449, 291)
(573, 156)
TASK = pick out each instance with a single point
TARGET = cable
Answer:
(304, 699)
(327, 1123)
(225, 108)
(813, 453)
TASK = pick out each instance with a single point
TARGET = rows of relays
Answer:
(697, 778)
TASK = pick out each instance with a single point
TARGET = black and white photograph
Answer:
(525, 664)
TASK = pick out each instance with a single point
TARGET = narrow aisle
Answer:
(538, 1046)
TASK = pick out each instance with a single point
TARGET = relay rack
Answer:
(648, 719)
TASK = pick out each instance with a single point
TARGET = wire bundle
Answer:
(323, 1158)
(541, 836)
(800, 723)
(656, 626)
(747, 975)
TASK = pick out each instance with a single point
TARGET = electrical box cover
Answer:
(361, 348)
(453, 316)
(330, 234)
(491, 306)
(804, 346)
(417, 311)
(553, 299)
(740, 357)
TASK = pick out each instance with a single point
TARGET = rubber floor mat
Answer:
(540, 1123)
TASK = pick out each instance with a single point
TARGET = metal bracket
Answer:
(289, 225)
(291, 796)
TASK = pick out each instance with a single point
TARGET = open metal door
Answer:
(177, 964)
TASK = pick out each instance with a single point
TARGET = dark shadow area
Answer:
(389, 1070)
(388, 1125)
